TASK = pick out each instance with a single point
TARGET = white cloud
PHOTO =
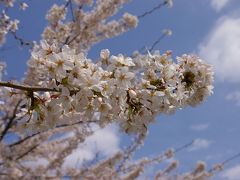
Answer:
(231, 173)
(221, 48)
(200, 144)
(235, 97)
(35, 163)
(199, 127)
(105, 142)
(217, 5)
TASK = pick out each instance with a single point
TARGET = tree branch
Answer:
(27, 88)
(27, 152)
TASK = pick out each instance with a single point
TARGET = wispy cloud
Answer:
(221, 48)
(199, 127)
(104, 142)
(200, 144)
(234, 96)
(231, 173)
(218, 5)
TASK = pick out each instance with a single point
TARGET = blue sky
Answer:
(209, 28)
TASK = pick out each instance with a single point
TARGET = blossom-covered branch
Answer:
(131, 91)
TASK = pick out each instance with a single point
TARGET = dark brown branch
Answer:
(23, 140)
(27, 88)
(27, 152)
(4, 174)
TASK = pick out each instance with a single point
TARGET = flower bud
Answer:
(132, 93)
(104, 54)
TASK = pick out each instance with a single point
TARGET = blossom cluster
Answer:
(6, 23)
(129, 90)
(87, 27)
(2, 68)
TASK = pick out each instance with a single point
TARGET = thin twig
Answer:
(161, 157)
(156, 42)
(27, 152)
(130, 150)
(184, 146)
(226, 161)
(10, 122)
(76, 36)
(38, 133)
(231, 158)
(152, 10)
(67, 4)
(24, 139)
(21, 40)
(144, 49)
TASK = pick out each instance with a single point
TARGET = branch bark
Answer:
(27, 88)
